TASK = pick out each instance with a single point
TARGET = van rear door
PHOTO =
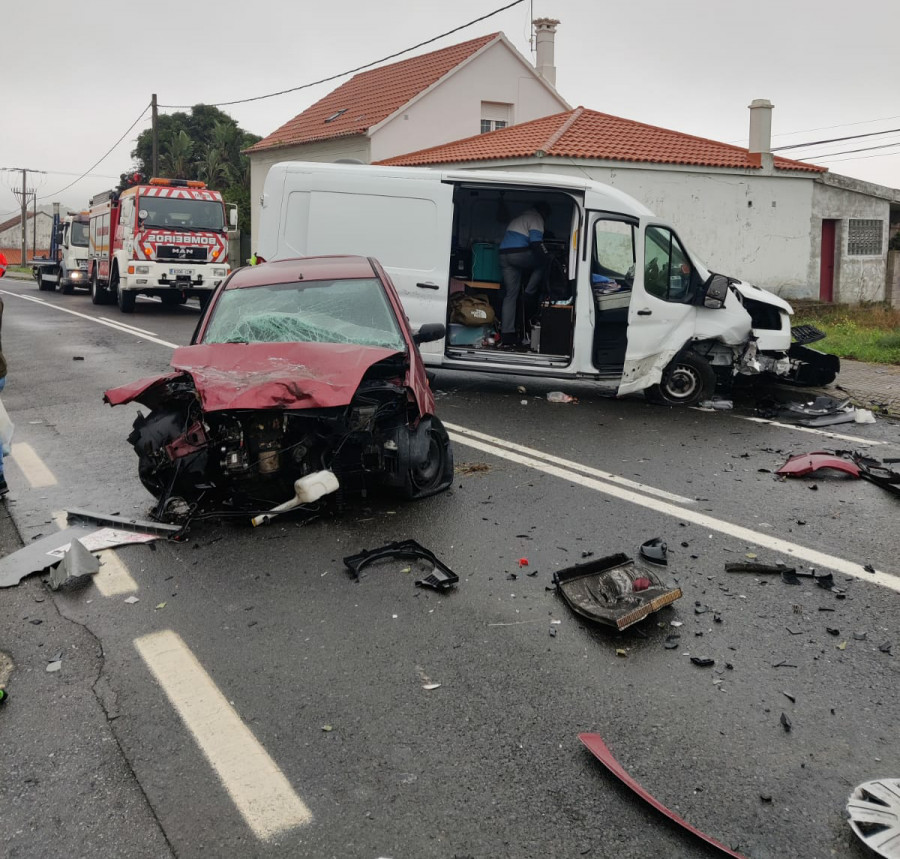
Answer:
(402, 220)
(660, 318)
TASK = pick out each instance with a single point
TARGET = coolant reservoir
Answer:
(314, 486)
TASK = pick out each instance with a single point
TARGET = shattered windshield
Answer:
(325, 311)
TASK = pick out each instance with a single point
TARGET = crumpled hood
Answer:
(759, 294)
(263, 375)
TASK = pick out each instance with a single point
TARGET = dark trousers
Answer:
(519, 271)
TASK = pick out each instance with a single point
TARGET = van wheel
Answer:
(686, 381)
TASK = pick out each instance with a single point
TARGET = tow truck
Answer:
(66, 266)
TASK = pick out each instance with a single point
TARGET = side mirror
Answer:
(233, 217)
(715, 292)
(429, 332)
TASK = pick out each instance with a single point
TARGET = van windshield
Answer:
(78, 235)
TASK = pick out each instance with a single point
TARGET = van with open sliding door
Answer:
(623, 300)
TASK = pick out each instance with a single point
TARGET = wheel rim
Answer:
(683, 383)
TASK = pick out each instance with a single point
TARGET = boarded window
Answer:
(864, 237)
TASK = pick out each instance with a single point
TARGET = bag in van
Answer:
(471, 310)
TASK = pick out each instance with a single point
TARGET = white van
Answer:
(625, 302)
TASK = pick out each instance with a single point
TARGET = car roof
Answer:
(304, 268)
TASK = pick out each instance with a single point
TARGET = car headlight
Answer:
(142, 269)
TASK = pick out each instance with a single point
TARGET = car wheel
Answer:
(436, 473)
(685, 382)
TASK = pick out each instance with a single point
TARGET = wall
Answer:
(857, 278)
(452, 110)
(755, 227)
(11, 237)
(356, 147)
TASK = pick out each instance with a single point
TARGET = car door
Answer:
(661, 318)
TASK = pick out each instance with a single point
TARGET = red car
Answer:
(303, 379)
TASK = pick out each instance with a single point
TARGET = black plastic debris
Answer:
(672, 641)
(442, 578)
(790, 697)
(886, 647)
(869, 568)
(758, 568)
(789, 577)
(613, 590)
(786, 723)
(655, 551)
(832, 631)
(702, 661)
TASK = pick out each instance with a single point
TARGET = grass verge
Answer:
(863, 332)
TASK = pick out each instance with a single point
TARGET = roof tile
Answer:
(369, 97)
(583, 133)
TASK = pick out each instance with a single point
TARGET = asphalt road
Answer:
(255, 701)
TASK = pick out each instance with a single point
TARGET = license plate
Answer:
(180, 272)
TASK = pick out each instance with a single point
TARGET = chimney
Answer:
(544, 37)
(761, 132)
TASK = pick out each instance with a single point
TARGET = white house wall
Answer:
(856, 278)
(355, 147)
(452, 110)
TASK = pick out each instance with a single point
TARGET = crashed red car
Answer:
(301, 372)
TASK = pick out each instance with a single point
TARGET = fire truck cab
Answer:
(165, 238)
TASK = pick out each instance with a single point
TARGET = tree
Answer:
(204, 144)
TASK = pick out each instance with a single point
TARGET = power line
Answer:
(833, 140)
(103, 158)
(850, 151)
(839, 125)
(350, 71)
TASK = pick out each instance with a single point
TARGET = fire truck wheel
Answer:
(126, 300)
(98, 295)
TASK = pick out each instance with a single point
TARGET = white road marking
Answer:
(828, 434)
(31, 465)
(99, 321)
(126, 325)
(567, 463)
(114, 578)
(259, 789)
(776, 544)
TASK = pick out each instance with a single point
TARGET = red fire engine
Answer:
(167, 237)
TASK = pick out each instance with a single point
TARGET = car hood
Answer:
(262, 375)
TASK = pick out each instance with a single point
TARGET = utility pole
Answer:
(33, 223)
(155, 135)
(23, 201)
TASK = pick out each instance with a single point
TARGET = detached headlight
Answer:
(142, 269)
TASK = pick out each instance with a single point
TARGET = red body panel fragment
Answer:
(806, 463)
(599, 750)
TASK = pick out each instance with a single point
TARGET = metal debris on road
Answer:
(74, 568)
(874, 813)
(596, 746)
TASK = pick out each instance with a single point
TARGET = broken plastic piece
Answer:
(874, 812)
(442, 578)
(655, 551)
(307, 490)
(786, 723)
(596, 746)
(806, 463)
(702, 661)
(122, 522)
(758, 568)
(77, 563)
(603, 590)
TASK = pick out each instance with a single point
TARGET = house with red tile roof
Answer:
(792, 227)
(477, 86)
(37, 235)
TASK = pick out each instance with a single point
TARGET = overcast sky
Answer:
(76, 75)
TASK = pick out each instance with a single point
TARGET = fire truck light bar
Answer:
(180, 183)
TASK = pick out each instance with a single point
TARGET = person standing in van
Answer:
(522, 265)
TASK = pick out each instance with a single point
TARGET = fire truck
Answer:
(165, 237)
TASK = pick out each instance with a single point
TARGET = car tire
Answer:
(685, 382)
(436, 474)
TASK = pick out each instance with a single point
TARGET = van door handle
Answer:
(428, 285)
(645, 312)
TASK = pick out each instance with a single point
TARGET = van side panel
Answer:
(403, 221)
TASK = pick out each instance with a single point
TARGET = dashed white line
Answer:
(31, 465)
(114, 578)
(826, 433)
(256, 785)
